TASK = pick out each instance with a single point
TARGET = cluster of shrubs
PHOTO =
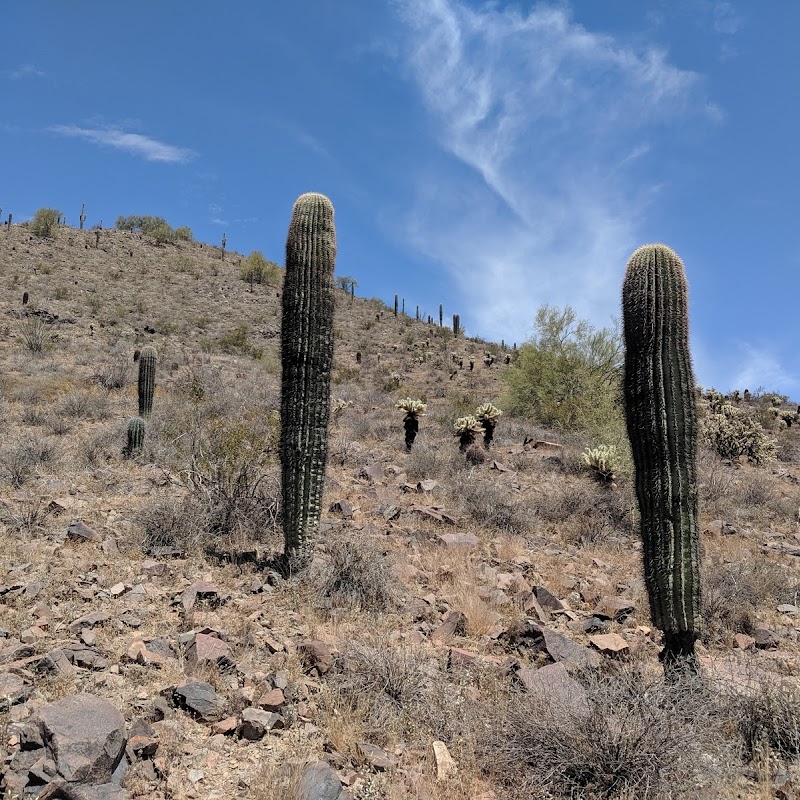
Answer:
(157, 227)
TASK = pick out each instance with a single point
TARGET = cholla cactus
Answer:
(466, 428)
(487, 415)
(338, 405)
(414, 410)
(734, 432)
(602, 460)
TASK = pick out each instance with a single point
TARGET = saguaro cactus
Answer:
(662, 427)
(147, 379)
(306, 358)
(136, 429)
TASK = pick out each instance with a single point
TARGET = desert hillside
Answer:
(472, 627)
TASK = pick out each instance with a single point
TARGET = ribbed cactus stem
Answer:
(306, 359)
(662, 427)
(136, 429)
(147, 379)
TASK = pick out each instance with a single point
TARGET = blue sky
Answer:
(492, 157)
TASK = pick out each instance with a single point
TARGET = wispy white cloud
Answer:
(727, 19)
(554, 124)
(134, 143)
(760, 366)
(26, 71)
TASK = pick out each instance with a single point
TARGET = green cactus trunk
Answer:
(136, 429)
(147, 380)
(306, 359)
(662, 427)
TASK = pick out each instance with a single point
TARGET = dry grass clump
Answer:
(586, 512)
(384, 685)
(20, 460)
(357, 574)
(628, 735)
(767, 717)
(733, 593)
(426, 462)
(492, 506)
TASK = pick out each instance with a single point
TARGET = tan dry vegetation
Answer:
(205, 488)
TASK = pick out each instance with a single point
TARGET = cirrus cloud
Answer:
(133, 143)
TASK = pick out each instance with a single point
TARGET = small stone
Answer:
(206, 649)
(319, 782)
(316, 655)
(453, 623)
(225, 726)
(743, 641)
(548, 601)
(445, 766)
(154, 568)
(376, 757)
(467, 541)
(765, 638)
(200, 697)
(616, 608)
(272, 700)
(256, 723)
(88, 637)
(80, 530)
(611, 643)
(117, 589)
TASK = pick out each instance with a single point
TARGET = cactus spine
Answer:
(306, 358)
(136, 429)
(147, 380)
(662, 427)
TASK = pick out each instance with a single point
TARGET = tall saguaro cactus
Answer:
(662, 427)
(306, 359)
(147, 379)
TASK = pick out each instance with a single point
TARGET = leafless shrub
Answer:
(58, 424)
(627, 736)
(490, 505)
(586, 512)
(33, 415)
(357, 574)
(99, 447)
(715, 478)
(20, 460)
(768, 719)
(385, 678)
(733, 592)
(756, 492)
(428, 462)
(81, 404)
(115, 373)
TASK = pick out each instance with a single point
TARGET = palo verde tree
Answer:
(568, 376)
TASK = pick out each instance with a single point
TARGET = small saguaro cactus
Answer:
(136, 430)
(456, 324)
(82, 217)
(466, 428)
(414, 410)
(147, 379)
(306, 360)
(660, 412)
(487, 415)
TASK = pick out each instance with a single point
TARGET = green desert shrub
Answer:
(45, 223)
(183, 234)
(257, 269)
(567, 376)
